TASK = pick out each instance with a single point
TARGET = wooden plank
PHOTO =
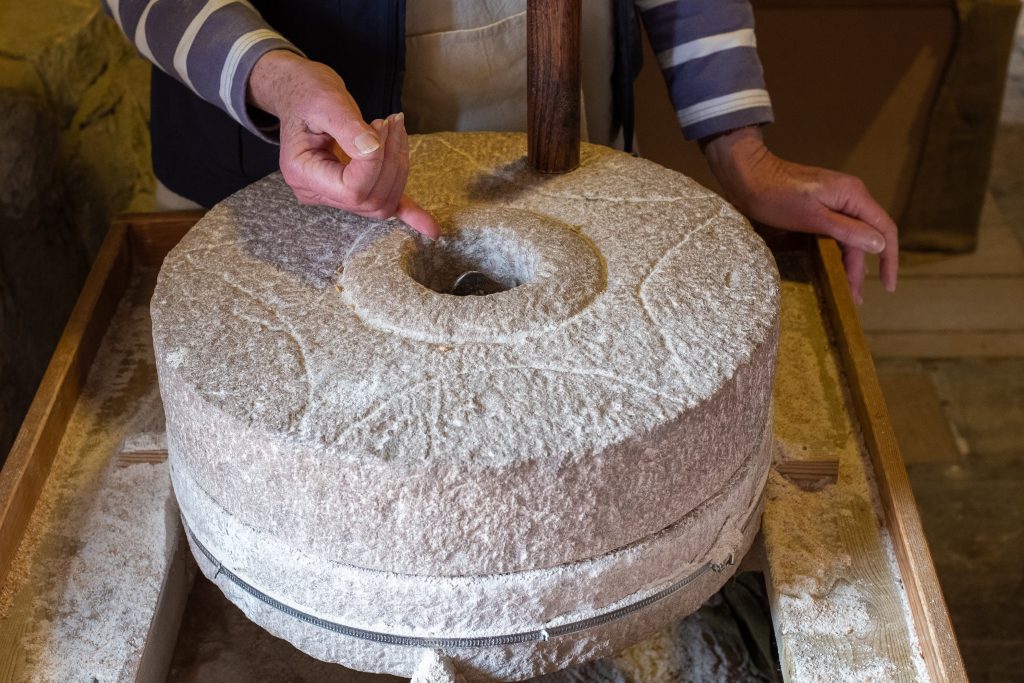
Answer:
(158, 650)
(837, 611)
(835, 619)
(970, 344)
(32, 454)
(927, 605)
(946, 304)
(921, 425)
(869, 564)
(152, 235)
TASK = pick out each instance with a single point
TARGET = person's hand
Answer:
(329, 155)
(785, 195)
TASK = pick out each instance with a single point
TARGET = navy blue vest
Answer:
(203, 154)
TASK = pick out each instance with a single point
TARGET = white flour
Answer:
(91, 628)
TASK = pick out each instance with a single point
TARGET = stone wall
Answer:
(74, 151)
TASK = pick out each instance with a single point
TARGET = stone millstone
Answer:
(387, 475)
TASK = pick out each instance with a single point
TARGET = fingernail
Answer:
(400, 117)
(366, 143)
(876, 244)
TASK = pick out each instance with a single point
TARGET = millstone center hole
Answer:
(478, 262)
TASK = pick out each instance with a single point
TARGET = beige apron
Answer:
(465, 66)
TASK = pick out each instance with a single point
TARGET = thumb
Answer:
(340, 118)
(417, 218)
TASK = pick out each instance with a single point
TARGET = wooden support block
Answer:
(141, 447)
(810, 475)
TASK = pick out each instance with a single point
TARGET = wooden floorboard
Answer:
(946, 345)
(939, 305)
(995, 661)
(986, 402)
(922, 427)
(998, 253)
(953, 305)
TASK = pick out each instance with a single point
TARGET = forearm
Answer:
(730, 156)
(211, 47)
(273, 80)
(708, 57)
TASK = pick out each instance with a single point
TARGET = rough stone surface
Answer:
(464, 465)
(478, 603)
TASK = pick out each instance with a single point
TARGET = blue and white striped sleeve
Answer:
(210, 46)
(708, 56)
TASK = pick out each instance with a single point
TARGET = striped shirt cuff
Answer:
(246, 51)
(707, 52)
(211, 46)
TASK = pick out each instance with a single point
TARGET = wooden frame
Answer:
(144, 239)
(927, 605)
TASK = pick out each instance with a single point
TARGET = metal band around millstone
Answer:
(537, 635)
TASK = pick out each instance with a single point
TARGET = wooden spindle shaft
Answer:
(553, 84)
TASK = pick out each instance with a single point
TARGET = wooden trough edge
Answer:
(141, 239)
(29, 460)
(927, 605)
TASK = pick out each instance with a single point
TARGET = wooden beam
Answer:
(946, 344)
(29, 461)
(927, 605)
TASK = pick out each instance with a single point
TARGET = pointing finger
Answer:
(417, 218)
